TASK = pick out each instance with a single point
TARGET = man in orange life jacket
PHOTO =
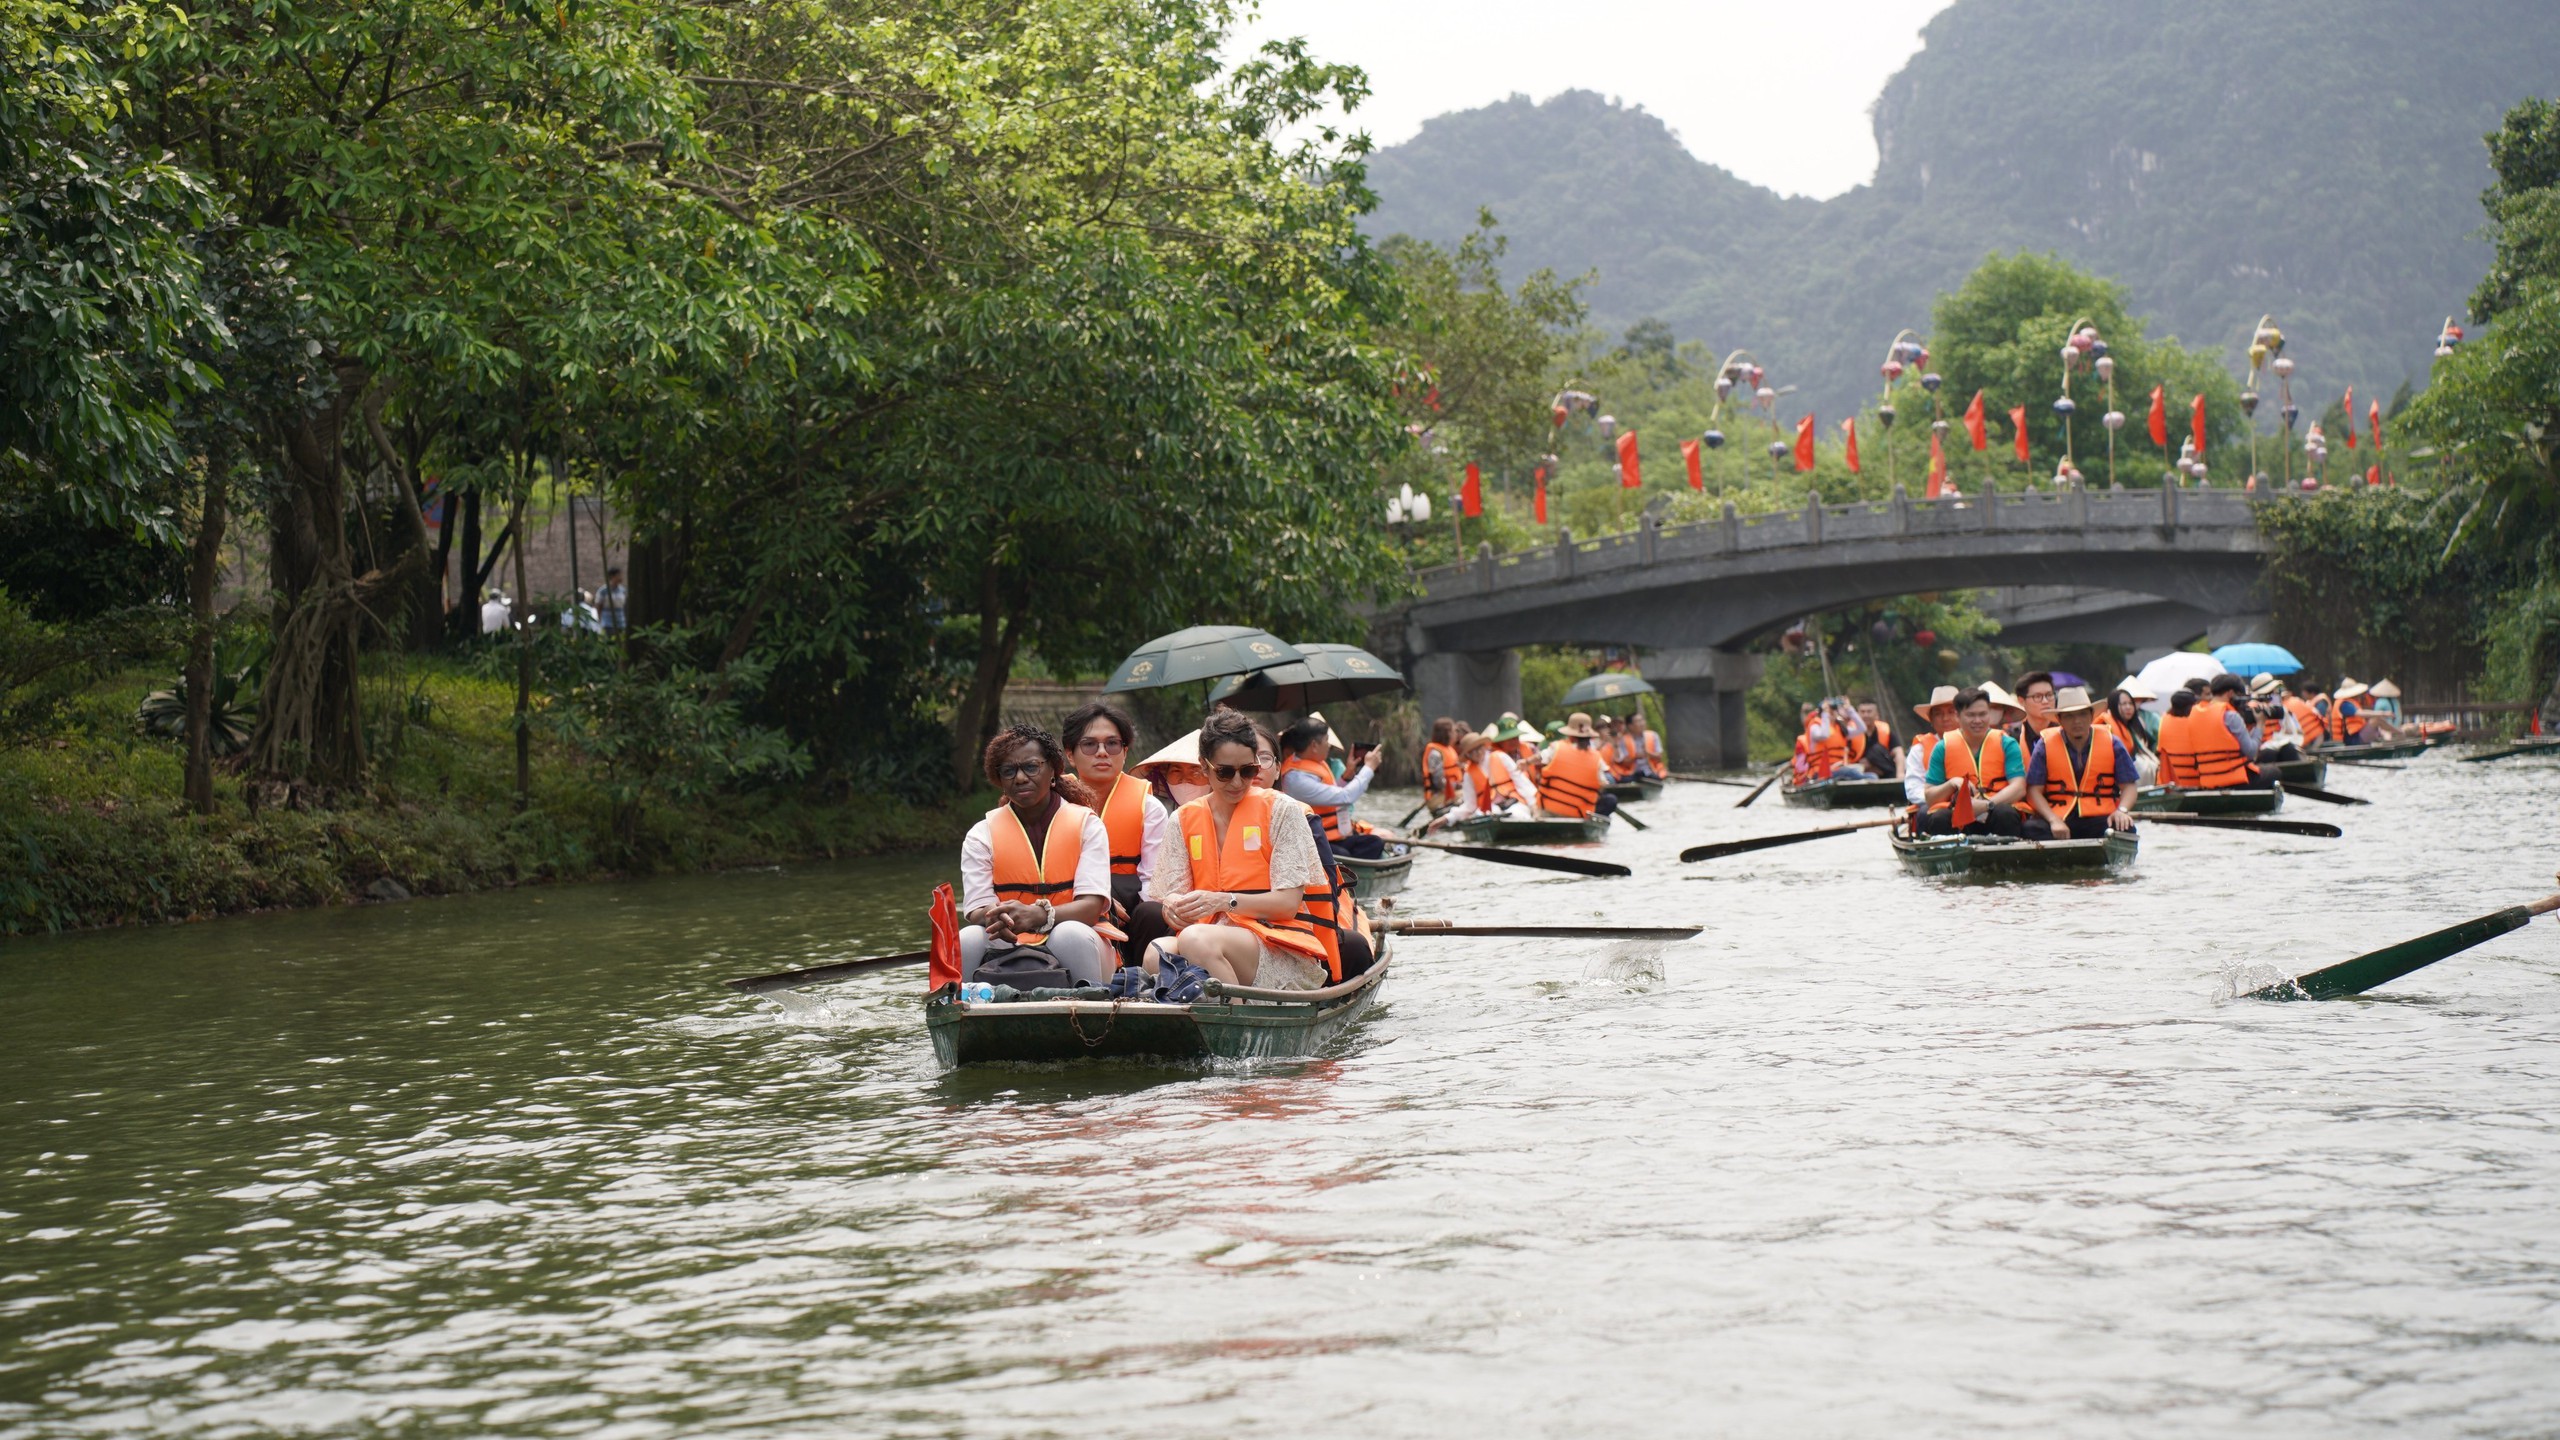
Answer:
(1978, 777)
(1098, 738)
(1304, 777)
(2279, 731)
(1880, 754)
(1574, 785)
(1036, 872)
(2078, 776)
(1648, 747)
(2207, 745)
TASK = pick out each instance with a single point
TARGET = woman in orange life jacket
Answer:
(2079, 775)
(1305, 778)
(1648, 743)
(1484, 786)
(2346, 717)
(1099, 737)
(1507, 761)
(1440, 765)
(1236, 869)
(1037, 870)
(1877, 752)
(1313, 741)
(1978, 777)
(1574, 787)
(1937, 716)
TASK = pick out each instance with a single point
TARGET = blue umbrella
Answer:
(2253, 658)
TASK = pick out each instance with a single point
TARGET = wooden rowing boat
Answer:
(1544, 830)
(1634, 789)
(1983, 858)
(2309, 770)
(2377, 749)
(1237, 1024)
(1845, 794)
(1371, 879)
(2239, 800)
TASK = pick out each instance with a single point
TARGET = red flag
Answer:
(2373, 421)
(1849, 427)
(2018, 418)
(1630, 469)
(1542, 494)
(1938, 454)
(944, 917)
(2160, 416)
(2196, 425)
(1804, 445)
(1973, 425)
(2347, 412)
(2373, 475)
(1471, 494)
(1689, 452)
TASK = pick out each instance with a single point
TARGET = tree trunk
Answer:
(464, 622)
(524, 646)
(426, 593)
(204, 573)
(999, 632)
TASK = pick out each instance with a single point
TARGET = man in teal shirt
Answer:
(1995, 796)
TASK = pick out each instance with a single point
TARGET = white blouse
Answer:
(1294, 863)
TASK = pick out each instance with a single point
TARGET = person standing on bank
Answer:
(1305, 778)
(1099, 737)
(613, 602)
(1235, 871)
(2078, 774)
(1036, 872)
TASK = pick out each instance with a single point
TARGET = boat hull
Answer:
(1049, 1032)
(2379, 749)
(1975, 857)
(1372, 879)
(2310, 770)
(2249, 800)
(1497, 830)
(1845, 794)
(1634, 789)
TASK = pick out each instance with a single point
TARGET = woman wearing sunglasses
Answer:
(1100, 737)
(1236, 869)
(1037, 871)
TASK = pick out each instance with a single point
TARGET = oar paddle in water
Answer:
(1709, 780)
(2326, 797)
(1621, 813)
(2368, 764)
(1771, 842)
(1745, 802)
(2509, 751)
(1560, 932)
(2354, 977)
(2318, 829)
(821, 974)
(1530, 859)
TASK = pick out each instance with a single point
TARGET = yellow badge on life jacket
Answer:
(1196, 851)
(1253, 837)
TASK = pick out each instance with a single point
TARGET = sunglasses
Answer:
(1021, 767)
(1233, 772)
(1103, 745)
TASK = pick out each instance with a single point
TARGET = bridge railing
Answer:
(1816, 524)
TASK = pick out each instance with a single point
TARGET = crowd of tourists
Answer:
(1509, 769)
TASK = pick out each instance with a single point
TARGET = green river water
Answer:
(1873, 1156)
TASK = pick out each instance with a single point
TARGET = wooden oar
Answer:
(1409, 814)
(1745, 802)
(2326, 797)
(1561, 932)
(2360, 760)
(2318, 829)
(1621, 813)
(1709, 780)
(2354, 977)
(2503, 754)
(1723, 848)
(821, 974)
(1532, 859)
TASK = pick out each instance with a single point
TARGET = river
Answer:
(1874, 1155)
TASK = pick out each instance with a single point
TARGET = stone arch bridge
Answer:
(2140, 568)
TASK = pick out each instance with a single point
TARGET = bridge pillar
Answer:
(1476, 688)
(1702, 691)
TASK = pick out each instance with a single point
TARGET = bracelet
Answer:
(1048, 917)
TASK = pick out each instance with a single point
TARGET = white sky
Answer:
(1774, 90)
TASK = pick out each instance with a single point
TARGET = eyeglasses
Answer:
(1234, 772)
(1101, 745)
(1021, 767)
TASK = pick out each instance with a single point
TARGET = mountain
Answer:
(2323, 163)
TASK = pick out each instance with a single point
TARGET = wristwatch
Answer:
(1048, 917)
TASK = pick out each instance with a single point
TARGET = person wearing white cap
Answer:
(2078, 775)
(1937, 717)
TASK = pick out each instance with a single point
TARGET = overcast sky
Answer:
(1774, 90)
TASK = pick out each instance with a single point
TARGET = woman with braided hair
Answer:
(1036, 872)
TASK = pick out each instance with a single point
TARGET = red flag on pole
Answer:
(2195, 425)
(1938, 454)
(1804, 445)
(2373, 475)
(1630, 469)
(2373, 422)
(2160, 416)
(1542, 495)
(1972, 425)
(2347, 412)
(1689, 454)
(2018, 418)
(1849, 427)
(1471, 494)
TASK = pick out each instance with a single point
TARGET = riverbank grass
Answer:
(92, 831)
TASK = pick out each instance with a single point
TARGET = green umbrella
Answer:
(1605, 686)
(1203, 652)
(1324, 672)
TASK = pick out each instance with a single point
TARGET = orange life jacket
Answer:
(2202, 753)
(2176, 751)
(1242, 866)
(1652, 749)
(1483, 783)
(1573, 782)
(1439, 773)
(1124, 818)
(1022, 878)
(2342, 724)
(1502, 791)
(1824, 755)
(2306, 718)
(1330, 816)
(1621, 758)
(2092, 792)
(1989, 769)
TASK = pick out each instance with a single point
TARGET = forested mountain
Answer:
(2323, 163)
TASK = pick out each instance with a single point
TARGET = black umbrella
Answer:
(1326, 672)
(1203, 652)
(1605, 686)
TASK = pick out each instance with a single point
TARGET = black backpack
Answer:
(1024, 967)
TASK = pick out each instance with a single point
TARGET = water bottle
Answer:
(977, 993)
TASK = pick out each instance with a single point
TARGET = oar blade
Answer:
(1745, 802)
(2313, 792)
(2317, 829)
(1722, 848)
(1558, 932)
(821, 974)
(1534, 860)
(2354, 977)
(1622, 814)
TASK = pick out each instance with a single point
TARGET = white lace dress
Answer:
(1294, 864)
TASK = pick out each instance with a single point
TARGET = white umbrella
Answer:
(2173, 670)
